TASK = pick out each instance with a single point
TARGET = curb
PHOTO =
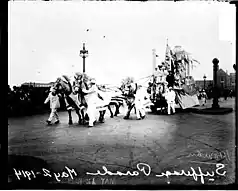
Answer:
(219, 111)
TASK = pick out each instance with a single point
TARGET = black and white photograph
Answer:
(121, 93)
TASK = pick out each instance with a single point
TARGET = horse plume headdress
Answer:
(81, 76)
(66, 78)
(58, 80)
(78, 75)
(128, 81)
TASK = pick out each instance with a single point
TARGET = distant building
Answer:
(224, 81)
(200, 84)
(232, 81)
(38, 84)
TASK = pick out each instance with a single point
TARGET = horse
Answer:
(117, 100)
(71, 99)
(103, 103)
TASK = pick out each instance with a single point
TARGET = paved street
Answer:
(184, 141)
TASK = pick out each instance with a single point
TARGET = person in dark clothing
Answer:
(226, 94)
(9, 89)
(132, 89)
(231, 93)
(170, 79)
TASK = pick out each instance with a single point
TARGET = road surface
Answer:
(160, 149)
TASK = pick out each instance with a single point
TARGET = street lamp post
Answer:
(204, 77)
(83, 54)
(215, 104)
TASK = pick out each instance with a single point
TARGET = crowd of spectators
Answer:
(27, 100)
(222, 93)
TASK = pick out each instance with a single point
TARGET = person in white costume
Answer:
(139, 98)
(203, 98)
(91, 98)
(170, 98)
(53, 98)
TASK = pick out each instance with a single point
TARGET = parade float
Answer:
(175, 72)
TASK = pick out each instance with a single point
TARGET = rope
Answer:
(113, 86)
(144, 77)
(136, 81)
(147, 81)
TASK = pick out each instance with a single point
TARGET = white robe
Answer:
(139, 98)
(91, 100)
(170, 97)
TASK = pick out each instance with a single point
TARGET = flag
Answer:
(168, 57)
(167, 54)
(196, 61)
(193, 64)
(189, 60)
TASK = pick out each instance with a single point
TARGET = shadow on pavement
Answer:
(177, 110)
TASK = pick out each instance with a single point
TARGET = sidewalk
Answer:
(230, 102)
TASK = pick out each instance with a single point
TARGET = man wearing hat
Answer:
(170, 98)
(91, 100)
(53, 98)
(131, 90)
(170, 79)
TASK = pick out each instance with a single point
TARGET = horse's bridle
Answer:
(58, 83)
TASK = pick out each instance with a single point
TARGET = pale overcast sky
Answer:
(45, 38)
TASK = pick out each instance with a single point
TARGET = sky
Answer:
(45, 38)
